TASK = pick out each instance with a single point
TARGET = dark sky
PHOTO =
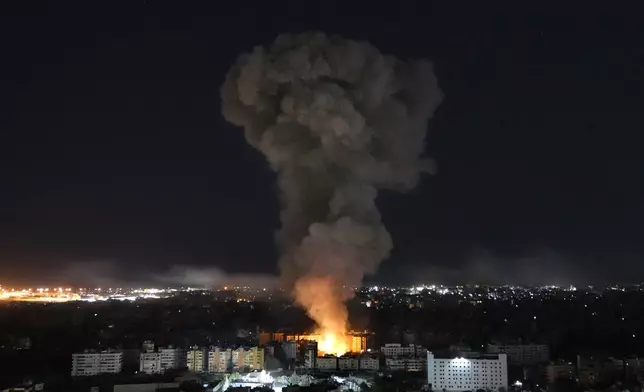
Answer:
(114, 149)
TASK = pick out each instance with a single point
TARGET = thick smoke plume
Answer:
(337, 120)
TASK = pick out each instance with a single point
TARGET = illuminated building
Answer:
(252, 358)
(220, 360)
(196, 359)
(488, 372)
(95, 363)
(356, 341)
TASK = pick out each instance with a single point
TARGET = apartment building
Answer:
(488, 372)
(94, 363)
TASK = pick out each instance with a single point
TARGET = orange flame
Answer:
(324, 303)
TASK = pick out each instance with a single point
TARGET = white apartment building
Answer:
(172, 358)
(196, 359)
(393, 350)
(220, 360)
(368, 363)
(326, 363)
(94, 363)
(150, 363)
(348, 363)
(467, 374)
(522, 354)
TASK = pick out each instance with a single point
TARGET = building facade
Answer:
(467, 374)
(252, 358)
(415, 364)
(394, 350)
(327, 363)
(150, 363)
(196, 359)
(311, 355)
(369, 363)
(220, 360)
(395, 364)
(94, 363)
(172, 358)
(348, 363)
(290, 349)
(406, 364)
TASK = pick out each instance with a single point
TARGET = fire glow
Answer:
(324, 303)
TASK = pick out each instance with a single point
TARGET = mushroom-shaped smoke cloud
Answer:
(337, 120)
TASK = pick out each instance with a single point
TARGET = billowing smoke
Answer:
(337, 120)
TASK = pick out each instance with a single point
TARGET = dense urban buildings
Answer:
(585, 341)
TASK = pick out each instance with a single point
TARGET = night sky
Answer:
(114, 149)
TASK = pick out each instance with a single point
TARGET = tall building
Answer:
(488, 372)
(94, 363)
(358, 343)
(290, 349)
(254, 358)
(311, 355)
(196, 359)
(150, 363)
(522, 354)
(220, 360)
